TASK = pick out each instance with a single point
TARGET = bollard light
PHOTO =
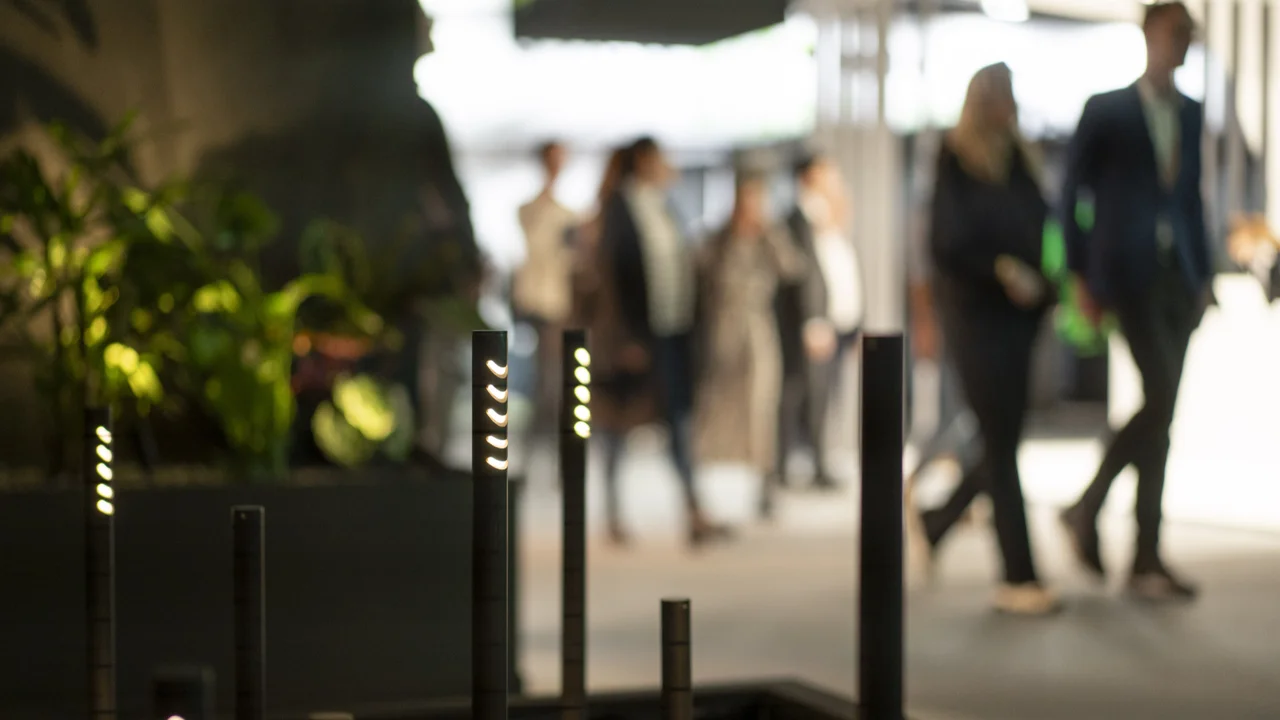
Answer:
(575, 428)
(880, 548)
(100, 562)
(490, 657)
(249, 580)
(677, 660)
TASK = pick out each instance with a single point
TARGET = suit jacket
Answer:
(1113, 155)
(800, 300)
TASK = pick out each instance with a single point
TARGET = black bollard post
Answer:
(249, 568)
(100, 561)
(880, 594)
(677, 661)
(575, 428)
(184, 693)
(489, 524)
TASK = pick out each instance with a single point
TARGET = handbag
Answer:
(1070, 322)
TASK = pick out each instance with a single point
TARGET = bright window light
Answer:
(582, 356)
(499, 371)
(1007, 10)
(498, 442)
(105, 507)
(105, 491)
(498, 418)
(496, 394)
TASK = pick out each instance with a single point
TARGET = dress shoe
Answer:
(1159, 585)
(1082, 531)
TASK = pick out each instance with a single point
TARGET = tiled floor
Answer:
(780, 602)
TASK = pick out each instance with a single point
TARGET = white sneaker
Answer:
(1029, 599)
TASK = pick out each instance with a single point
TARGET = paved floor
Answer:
(780, 602)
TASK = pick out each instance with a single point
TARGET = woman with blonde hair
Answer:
(987, 224)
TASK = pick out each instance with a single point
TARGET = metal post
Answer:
(185, 693)
(1236, 148)
(249, 578)
(100, 561)
(1269, 175)
(575, 428)
(489, 543)
(677, 661)
(880, 594)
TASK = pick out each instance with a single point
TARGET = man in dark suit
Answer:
(1147, 261)
(818, 316)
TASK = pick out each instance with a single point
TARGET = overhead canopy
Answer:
(700, 22)
(667, 22)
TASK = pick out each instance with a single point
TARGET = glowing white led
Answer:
(497, 418)
(499, 371)
(105, 491)
(104, 471)
(500, 443)
(582, 356)
(582, 413)
(103, 434)
(582, 429)
(583, 375)
(582, 393)
(105, 507)
(496, 394)
(496, 464)
(104, 452)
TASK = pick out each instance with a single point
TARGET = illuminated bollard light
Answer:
(575, 429)
(490, 657)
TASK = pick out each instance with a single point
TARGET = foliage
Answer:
(145, 298)
(365, 417)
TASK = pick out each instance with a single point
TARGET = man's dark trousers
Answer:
(1157, 324)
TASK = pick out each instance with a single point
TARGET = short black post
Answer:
(185, 693)
(97, 471)
(489, 524)
(249, 568)
(677, 661)
(880, 588)
(575, 428)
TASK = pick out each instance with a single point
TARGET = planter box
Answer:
(368, 590)
(777, 700)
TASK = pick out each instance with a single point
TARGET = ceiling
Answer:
(700, 22)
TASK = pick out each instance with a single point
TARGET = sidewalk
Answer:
(781, 602)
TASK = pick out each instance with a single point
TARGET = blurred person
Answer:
(623, 395)
(540, 291)
(819, 313)
(649, 268)
(987, 221)
(741, 359)
(1146, 261)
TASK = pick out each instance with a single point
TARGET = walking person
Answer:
(540, 291)
(987, 219)
(741, 358)
(1146, 261)
(820, 312)
(652, 273)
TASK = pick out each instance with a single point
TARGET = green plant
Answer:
(144, 298)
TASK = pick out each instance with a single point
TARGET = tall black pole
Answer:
(249, 578)
(575, 428)
(100, 561)
(489, 524)
(677, 661)
(880, 613)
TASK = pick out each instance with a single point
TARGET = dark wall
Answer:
(368, 592)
